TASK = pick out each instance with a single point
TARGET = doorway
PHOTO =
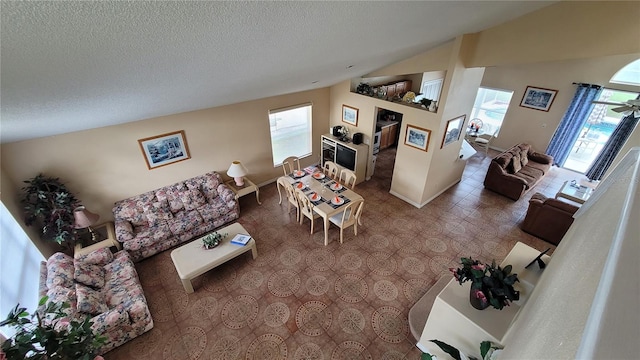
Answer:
(386, 139)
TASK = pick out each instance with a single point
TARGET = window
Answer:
(290, 132)
(431, 89)
(490, 107)
(21, 259)
(629, 74)
(597, 130)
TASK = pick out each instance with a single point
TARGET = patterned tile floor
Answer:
(302, 300)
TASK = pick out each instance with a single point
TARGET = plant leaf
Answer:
(455, 353)
(485, 346)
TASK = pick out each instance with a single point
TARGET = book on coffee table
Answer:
(241, 239)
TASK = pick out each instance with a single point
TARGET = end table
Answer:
(106, 238)
(248, 188)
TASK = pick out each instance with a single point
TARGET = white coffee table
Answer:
(192, 260)
(579, 195)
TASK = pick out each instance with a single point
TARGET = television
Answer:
(346, 157)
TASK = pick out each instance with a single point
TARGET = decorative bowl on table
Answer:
(212, 240)
(318, 175)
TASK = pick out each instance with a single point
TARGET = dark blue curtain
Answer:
(572, 122)
(612, 147)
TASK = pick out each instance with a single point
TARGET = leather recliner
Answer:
(548, 218)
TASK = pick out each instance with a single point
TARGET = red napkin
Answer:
(337, 199)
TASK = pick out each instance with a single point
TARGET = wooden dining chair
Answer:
(350, 216)
(330, 169)
(292, 199)
(282, 182)
(289, 165)
(348, 178)
(306, 208)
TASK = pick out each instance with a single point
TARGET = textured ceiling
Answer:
(69, 66)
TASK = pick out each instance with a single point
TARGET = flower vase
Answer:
(478, 303)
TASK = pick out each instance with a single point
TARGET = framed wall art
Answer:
(164, 149)
(454, 127)
(417, 137)
(538, 98)
(350, 115)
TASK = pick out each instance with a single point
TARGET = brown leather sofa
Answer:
(517, 170)
(548, 218)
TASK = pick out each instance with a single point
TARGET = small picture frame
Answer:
(417, 137)
(350, 115)
(454, 127)
(538, 98)
(164, 149)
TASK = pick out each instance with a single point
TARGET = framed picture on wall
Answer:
(417, 137)
(350, 115)
(538, 98)
(454, 127)
(164, 149)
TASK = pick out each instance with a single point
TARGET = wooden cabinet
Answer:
(388, 135)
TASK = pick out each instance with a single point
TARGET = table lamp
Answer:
(84, 219)
(237, 171)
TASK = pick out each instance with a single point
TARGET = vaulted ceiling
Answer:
(70, 66)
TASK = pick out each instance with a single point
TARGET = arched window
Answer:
(628, 75)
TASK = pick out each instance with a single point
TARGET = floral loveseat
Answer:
(157, 220)
(102, 285)
(516, 171)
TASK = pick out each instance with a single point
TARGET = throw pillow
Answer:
(192, 199)
(90, 301)
(157, 211)
(89, 274)
(524, 158)
(59, 270)
(97, 257)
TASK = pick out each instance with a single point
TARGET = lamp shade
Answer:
(237, 170)
(84, 218)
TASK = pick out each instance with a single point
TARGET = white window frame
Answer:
(301, 145)
(479, 112)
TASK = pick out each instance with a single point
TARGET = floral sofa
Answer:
(157, 220)
(516, 171)
(102, 285)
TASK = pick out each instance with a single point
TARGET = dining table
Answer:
(332, 197)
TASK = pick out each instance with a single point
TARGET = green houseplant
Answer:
(212, 240)
(487, 351)
(50, 335)
(490, 284)
(49, 204)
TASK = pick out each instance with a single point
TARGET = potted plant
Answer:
(49, 334)
(48, 203)
(212, 240)
(490, 284)
(487, 351)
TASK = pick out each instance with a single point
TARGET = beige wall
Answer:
(566, 30)
(105, 165)
(537, 127)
